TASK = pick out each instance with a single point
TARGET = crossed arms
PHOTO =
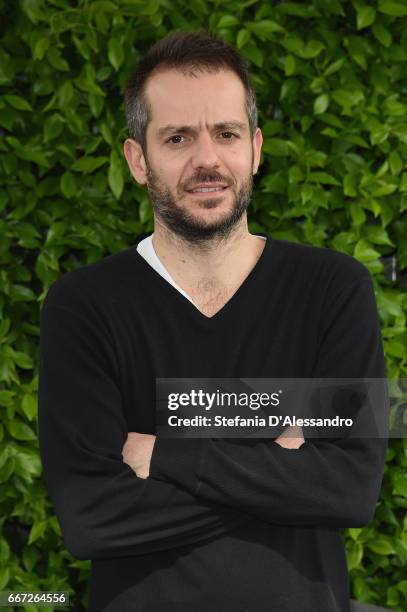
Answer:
(138, 448)
(195, 489)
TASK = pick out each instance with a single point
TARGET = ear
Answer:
(135, 160)
(257, 143)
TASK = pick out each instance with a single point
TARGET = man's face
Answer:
(199, 133)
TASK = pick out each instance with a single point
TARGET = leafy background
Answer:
(330, 77)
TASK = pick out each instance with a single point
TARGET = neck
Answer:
(219, 263)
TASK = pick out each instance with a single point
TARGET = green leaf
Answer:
(33, 10)
(150, 7)
(275, 183)
(321, 104)
(41, 47)
(297, 9)
(53, 127)
(68, 184)
(289, 65)
(243, 38)
(394, 107)
(396, 163)
(82, 47)
(28, 464)
(228, 21)
(347, 98)
(145, 210)
(22, 293)
(96, 104)
(383, 169)
(91, 39)
(365, 16)
(4, 330)
(381, 546)
(307, 192)
(4, 552)
(55, 232)
(311, 49)
(349, 185)
(276, 147)
(37, 531)
(357, 213)
(4, 577)
(400, 480)
(115, 175)
(362, 592)
(364, 251)
(389, 303)
(395, 9)
(56, 60)
(251, 51)
(27, 153)
(264, 29)
(29, 406)
(393, 596)
(379, 78)
(86, 81)
(314, 158)
(115, 53)
(21, 431)
(106, 132)
(295, 174)
(89, 164)
(354, 532)
(396, 349)
(17, 102)
(334, 67)
(65, 94)
(382, 188)
(354, 553)
(378, 235)
(323, 178)
(7, 118)
(6, 399)
(382, 34)
(22, 360)
(30, 557)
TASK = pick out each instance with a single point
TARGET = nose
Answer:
(205, 153)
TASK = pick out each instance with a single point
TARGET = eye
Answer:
(231, 138)
(176, 136)
(232, 134)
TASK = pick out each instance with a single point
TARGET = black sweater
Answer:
(220, 524)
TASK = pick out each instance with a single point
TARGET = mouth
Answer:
(207, 192)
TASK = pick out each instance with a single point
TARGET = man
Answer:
(203, 524)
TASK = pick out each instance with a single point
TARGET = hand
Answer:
(137, 451)
(292, 437)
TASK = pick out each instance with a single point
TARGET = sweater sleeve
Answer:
(103, 508)
(326, 482)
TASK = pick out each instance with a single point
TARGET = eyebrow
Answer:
(224, 125)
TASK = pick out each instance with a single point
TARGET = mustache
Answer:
(205, 179)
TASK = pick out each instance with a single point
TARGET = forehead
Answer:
(175, 97)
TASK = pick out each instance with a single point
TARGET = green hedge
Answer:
(331, 83)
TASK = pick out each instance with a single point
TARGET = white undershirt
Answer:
(146, 249)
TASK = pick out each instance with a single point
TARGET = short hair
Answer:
(186, 52)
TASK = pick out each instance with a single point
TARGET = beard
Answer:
(188, 226)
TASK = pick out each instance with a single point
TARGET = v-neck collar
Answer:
(238, 295)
